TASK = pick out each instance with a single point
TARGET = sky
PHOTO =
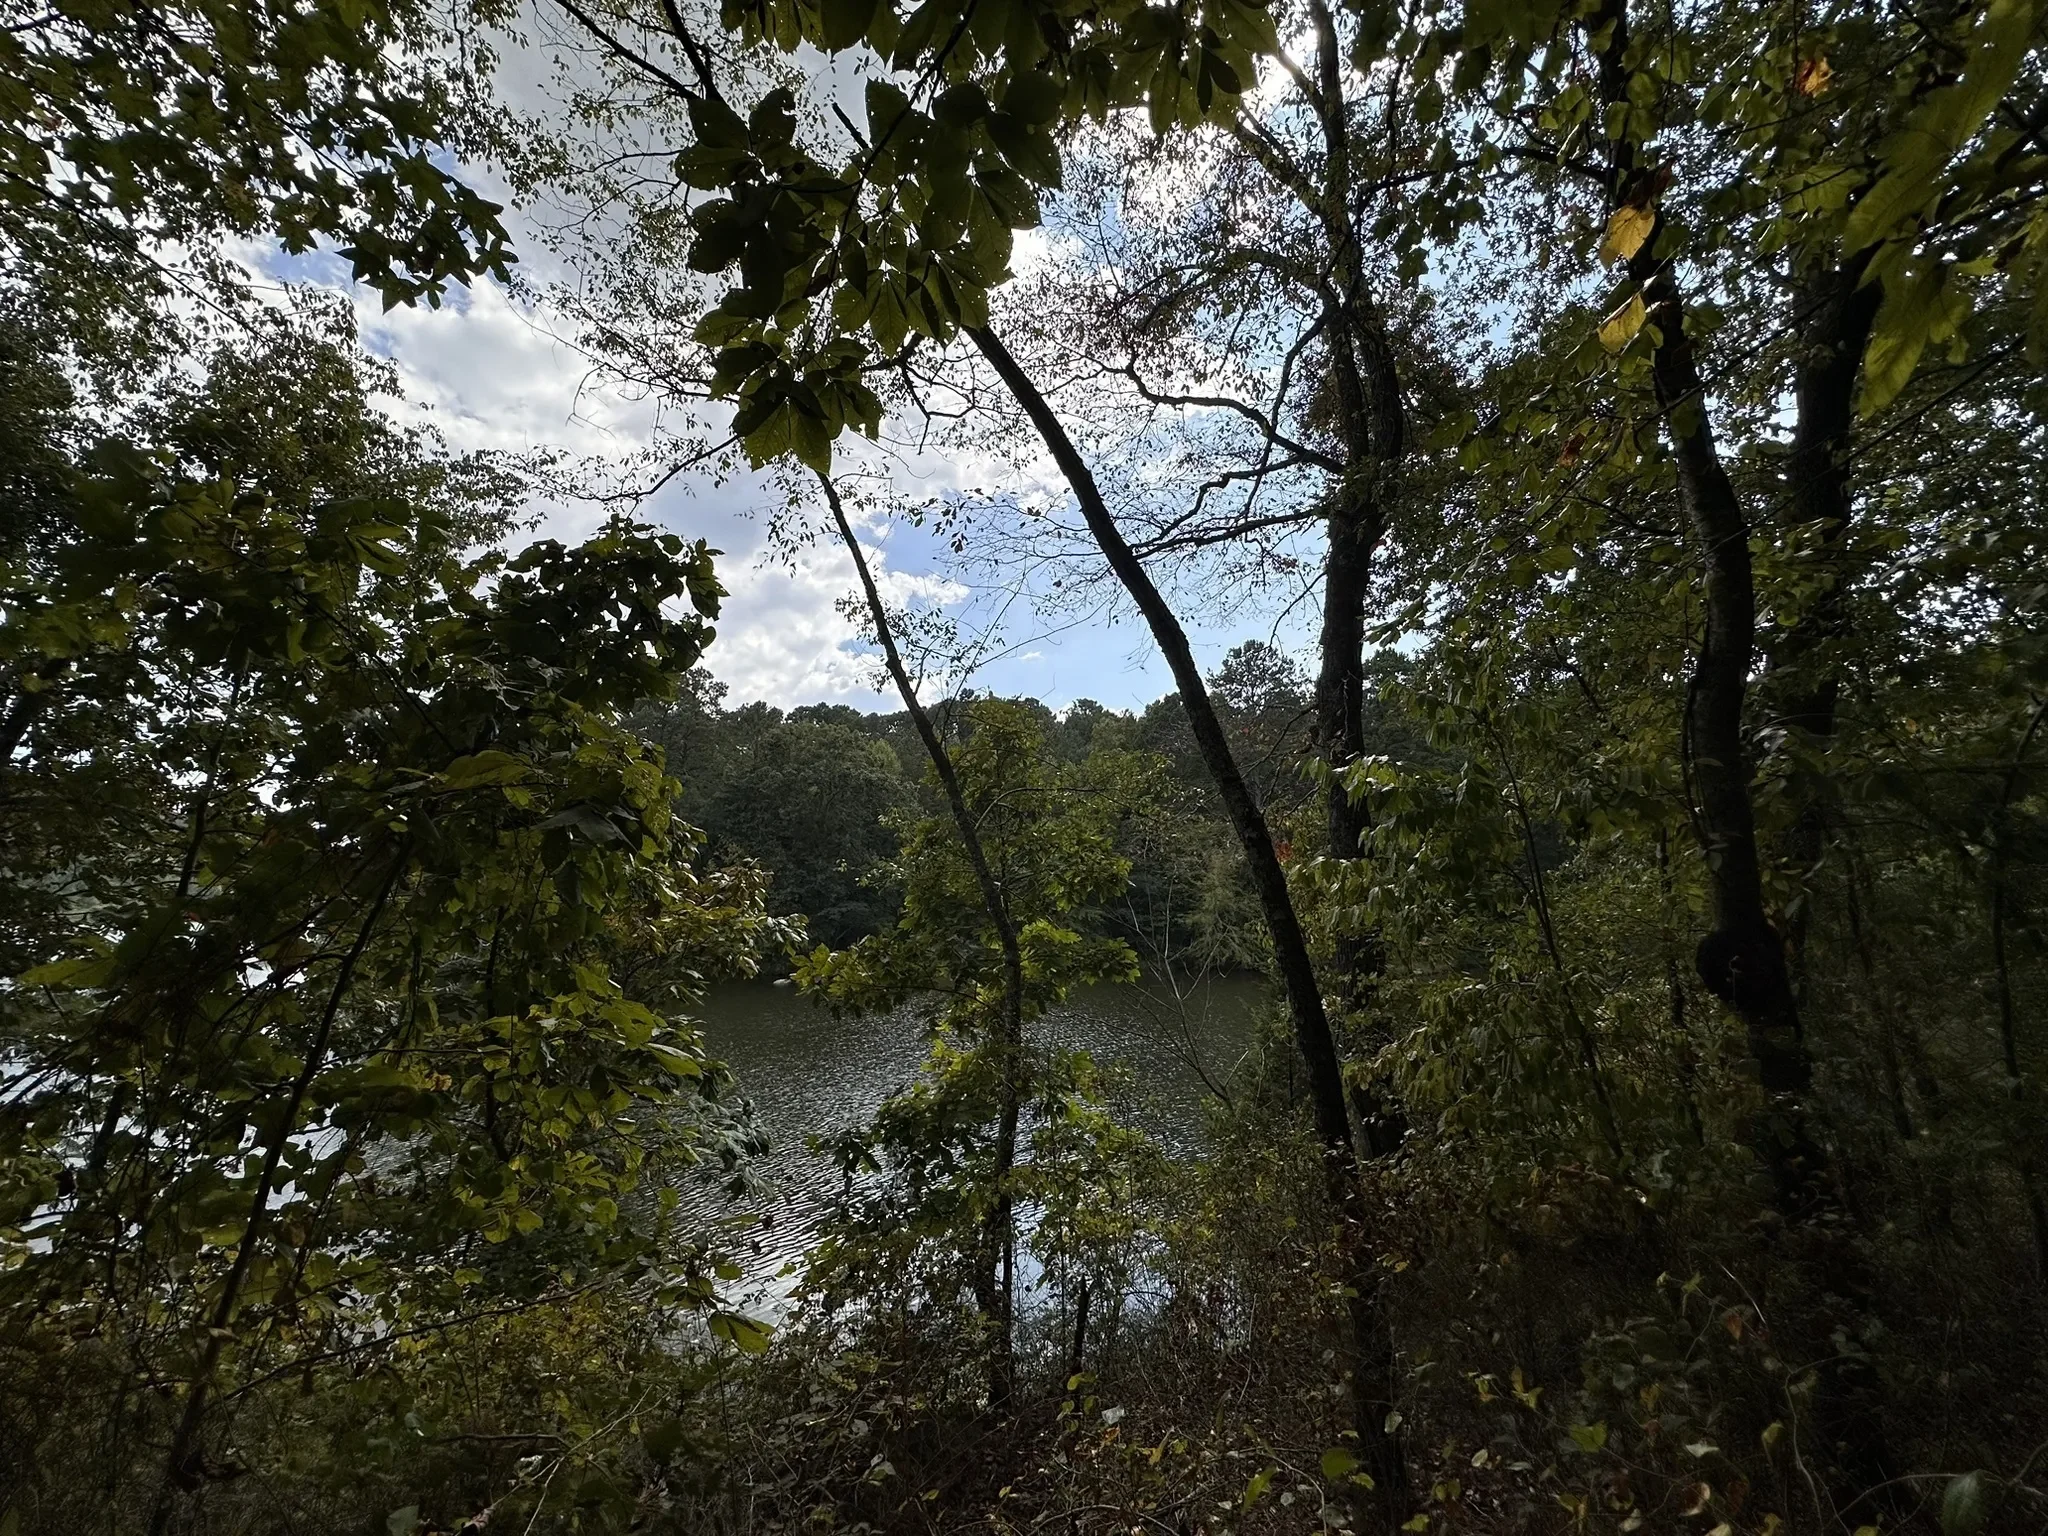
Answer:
(491, 370)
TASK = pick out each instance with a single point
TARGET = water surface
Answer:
(810, 1075)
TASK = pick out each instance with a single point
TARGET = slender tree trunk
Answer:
(1372, 1385)
(182, 1463)
(1833, 344)
(1372, 425)
(1372, 421)
(996, 1300)
(1819, 503)
(1742, 960)
(1078, 1355)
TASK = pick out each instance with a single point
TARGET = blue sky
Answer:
(488, 372)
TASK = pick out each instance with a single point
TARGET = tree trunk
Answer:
(1819, 502)
(1742, 961)
(994, 1278)
(182, 1469)
(1373, 424)
(1372, 1385)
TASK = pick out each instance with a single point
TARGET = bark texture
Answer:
(1372, 424)
(1372, 1364)
(1743, 960)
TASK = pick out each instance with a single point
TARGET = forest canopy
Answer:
(1631, 418)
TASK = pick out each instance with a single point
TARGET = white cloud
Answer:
(490, 373)
(783, 639)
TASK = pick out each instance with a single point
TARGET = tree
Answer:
(1649, 245)
(838, 266)
(813, 803)
(329, 855)
(126, 135)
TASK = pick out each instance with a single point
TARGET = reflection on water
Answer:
(810, 1075)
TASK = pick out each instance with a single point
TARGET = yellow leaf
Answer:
(1627, 229)
(1256, 1488)
(1620, 328)
(1814, 75)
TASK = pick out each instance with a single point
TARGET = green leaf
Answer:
(773, 120)
(1035, 98)
(918, 33)
(1256, 1488)
(1942, 125)
(886, 105)
(745, 1334)
(1920, 306)
(842, 23)
(403, 1522)
(70, 975)
(1620, 328)
(1965, 1505)
(1589, 1437)
(887, 322)
(961, 106)
(1338, 1462)
(1627, 229)
(1163, 97)
(987, 21)
(1031, 150)
(487, 767)
(717, 125)
(721, 236)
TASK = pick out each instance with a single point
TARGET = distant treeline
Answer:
(818, 795)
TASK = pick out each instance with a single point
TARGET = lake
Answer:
(808, 1074)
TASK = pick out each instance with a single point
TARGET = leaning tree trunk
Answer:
(1742, 961)
(994, 1269)
(1372, 1384)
